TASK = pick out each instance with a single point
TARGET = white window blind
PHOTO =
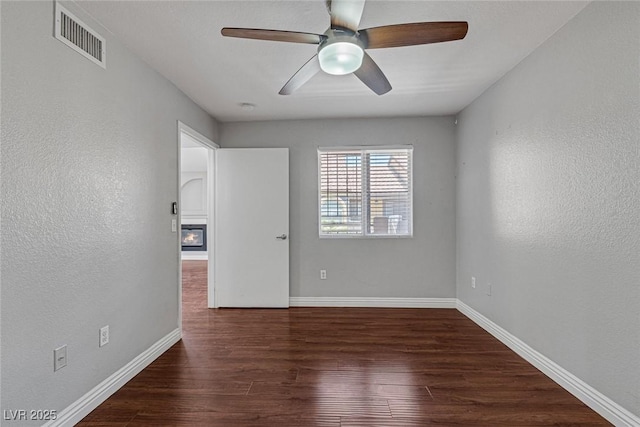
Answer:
(365, 192)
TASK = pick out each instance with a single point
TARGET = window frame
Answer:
(365, 203)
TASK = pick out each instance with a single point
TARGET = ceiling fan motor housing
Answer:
(341, 52)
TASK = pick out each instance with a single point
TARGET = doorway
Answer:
(196, 178)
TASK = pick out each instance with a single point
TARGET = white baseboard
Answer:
(194, 256)
(591, 397)
(87, 403)
(372, 302)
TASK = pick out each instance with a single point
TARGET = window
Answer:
(365, 191)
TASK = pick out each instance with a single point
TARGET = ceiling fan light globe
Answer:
(340, 58)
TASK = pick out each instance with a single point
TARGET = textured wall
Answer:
(89, 169)
(548, 200)
(423, 266)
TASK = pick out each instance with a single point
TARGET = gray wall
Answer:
(89, 169)
(422, 266)
(549, 203)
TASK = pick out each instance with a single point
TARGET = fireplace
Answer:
(194, 237)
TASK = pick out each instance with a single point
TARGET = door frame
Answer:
(211, 147)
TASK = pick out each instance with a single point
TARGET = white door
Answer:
(252, 227)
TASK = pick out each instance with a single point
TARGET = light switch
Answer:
(60, 357)
(174, 225)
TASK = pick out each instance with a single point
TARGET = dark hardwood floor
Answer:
(336, 367)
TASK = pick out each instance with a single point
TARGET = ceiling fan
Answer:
(341, 49)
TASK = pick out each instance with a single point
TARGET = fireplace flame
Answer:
(190, 238)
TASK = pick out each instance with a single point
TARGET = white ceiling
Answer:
(181, 40)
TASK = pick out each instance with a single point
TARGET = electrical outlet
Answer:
(488, 289)
(323, 274)
(104, 335)
(473, 282)
(59, 357)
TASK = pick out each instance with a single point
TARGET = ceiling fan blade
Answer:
(303, 75)
(274, 35)
(372, 76)
(413, 34)
(345, 13)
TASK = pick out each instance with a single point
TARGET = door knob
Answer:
(282, 237)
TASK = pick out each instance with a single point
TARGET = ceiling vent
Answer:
(79, 37)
